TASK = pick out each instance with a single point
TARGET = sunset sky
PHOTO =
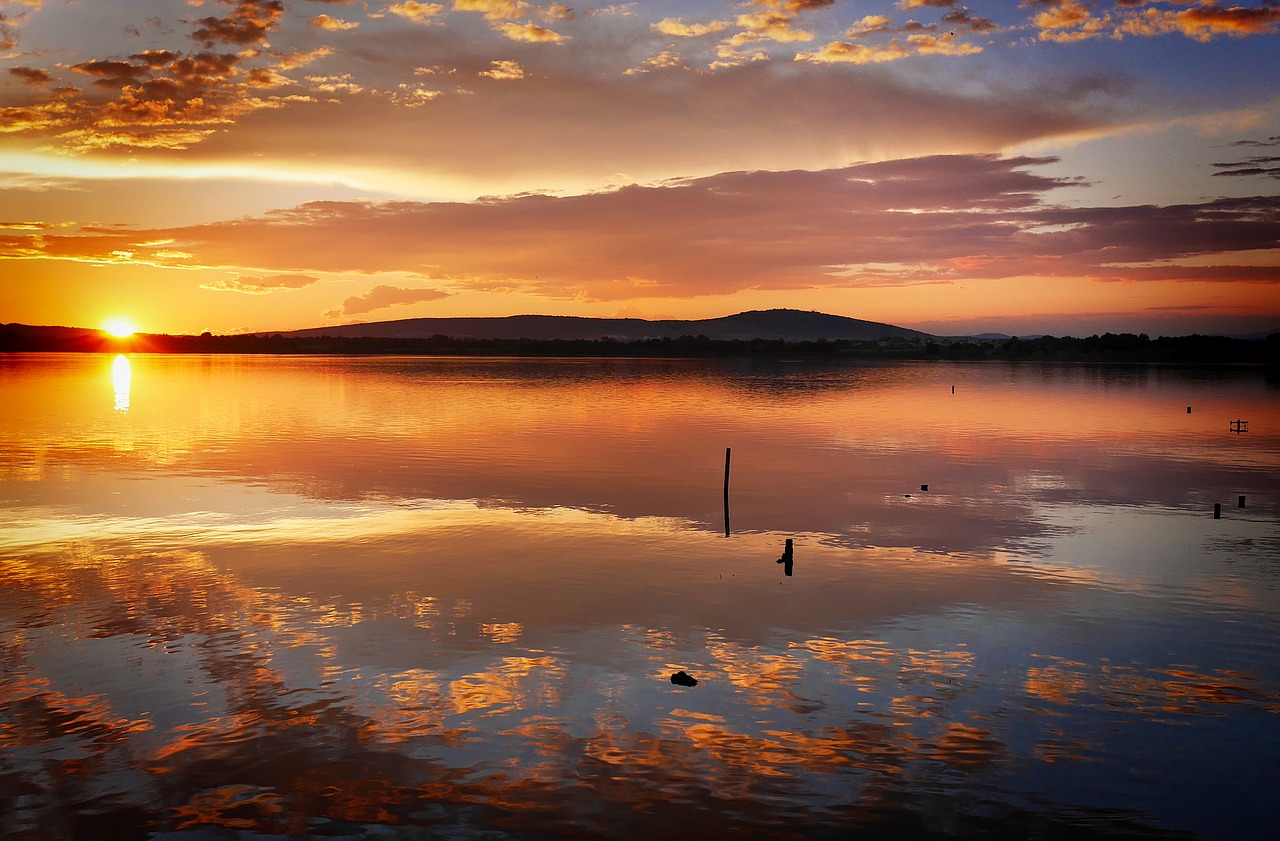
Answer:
(1048, 166)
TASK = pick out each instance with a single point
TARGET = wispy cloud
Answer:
(260, 285)
(1264, 166)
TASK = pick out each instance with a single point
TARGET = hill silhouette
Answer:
(784, 324)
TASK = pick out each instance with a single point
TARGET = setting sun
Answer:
(119, 327)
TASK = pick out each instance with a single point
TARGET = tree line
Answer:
(1108, 347)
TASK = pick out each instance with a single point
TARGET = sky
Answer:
(1044, 166)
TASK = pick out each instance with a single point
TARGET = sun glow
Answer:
(121, 328)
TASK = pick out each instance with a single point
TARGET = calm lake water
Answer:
(436, 598)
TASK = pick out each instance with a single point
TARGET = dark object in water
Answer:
(683, 679)
(787, 558)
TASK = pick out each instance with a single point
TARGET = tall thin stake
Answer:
(727, 452)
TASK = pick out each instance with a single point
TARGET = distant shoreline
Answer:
(1109, 347)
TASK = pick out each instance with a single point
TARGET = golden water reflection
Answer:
(830, 451)
(329, 599)
(121, 377)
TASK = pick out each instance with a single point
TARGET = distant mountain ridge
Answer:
(789, 325)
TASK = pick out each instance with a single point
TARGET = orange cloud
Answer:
(8, 34)
(772, 25)
(676, 27)
(10, 25)
(331, 24)
(161, 99)
(112, 73)
(842, 52)
(869, 25)
(1203, 22)
(1065, 21)
(294, 60)
(530, 32)
(382, 297)
(941, 45)
(662, 61)
(416, 12)
(1068, 21)
(774, 20)
(1207, 20)
(31, 75)
(494, 9)
(505, 69)
(917, 44)
(249, 24)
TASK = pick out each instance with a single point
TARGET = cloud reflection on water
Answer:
(456, 603)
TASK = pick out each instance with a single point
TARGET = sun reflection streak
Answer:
(121, 379)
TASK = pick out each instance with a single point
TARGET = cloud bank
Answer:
(937, 219)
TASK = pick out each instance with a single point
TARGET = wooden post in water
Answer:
(1240, 504)
(727, 452)
(1217, 511)
(787, 558)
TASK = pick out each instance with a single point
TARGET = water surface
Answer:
(442, 598)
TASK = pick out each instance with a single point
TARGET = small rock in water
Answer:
(683, 679)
